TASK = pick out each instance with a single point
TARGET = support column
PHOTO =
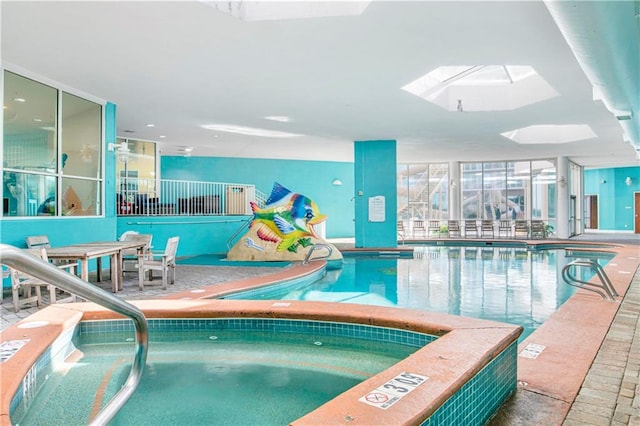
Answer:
(454, 190)
(376, 202)
(562, 198)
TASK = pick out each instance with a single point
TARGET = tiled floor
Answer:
(610, 394)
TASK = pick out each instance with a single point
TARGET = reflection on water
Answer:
(505, 284)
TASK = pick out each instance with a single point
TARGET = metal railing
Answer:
(160, 197)
(24, 262)
(307, 258)
(605, 288)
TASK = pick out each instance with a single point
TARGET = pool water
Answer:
(506, 284)
(212, 377)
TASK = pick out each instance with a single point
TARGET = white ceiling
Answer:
(183, 64)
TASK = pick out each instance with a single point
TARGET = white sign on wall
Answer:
(376, 208)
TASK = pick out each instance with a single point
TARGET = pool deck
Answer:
(588, 373)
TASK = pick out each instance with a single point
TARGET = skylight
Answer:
(550, 133)
(249, 131)
(466, 88)
(271, 10)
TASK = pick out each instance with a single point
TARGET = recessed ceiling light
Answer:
(267, 11)
(280, 118)
(20, 99)
(37, 120)
(151, 125)
(162, 136)
(249, 131)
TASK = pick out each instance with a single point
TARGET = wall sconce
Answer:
(122, 150)
(562, 181)
(336, 182)
(628, 181)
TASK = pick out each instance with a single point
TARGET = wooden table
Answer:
(97, 250)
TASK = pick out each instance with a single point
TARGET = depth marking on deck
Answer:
(8, 348)
(532, 351)
(277, 304)
(394, 390)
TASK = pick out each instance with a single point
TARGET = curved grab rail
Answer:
(609, 293)
(307, 258)
(233, 237)
(18, 259)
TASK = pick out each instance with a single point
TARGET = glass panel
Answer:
(402, 189)
(494, 184)
(471, 190)
(543, 185)
(518, 189)
(29, 194)
(439, 191)
(82, 136)
(80, 197)
(29, 124)
(418, 191)
(141, 163)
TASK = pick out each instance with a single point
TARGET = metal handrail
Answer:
(307, 258)
(15, 258)
(609, 293)
(233, 237)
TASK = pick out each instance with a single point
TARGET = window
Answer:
(43, 174)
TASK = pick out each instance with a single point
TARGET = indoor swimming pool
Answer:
(516, 285)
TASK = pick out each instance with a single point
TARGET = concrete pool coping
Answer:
(551, 381)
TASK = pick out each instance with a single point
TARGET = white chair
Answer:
(130, 257)
(164, 262)
(25, 283)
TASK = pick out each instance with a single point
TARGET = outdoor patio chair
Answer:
(486, 228)
(418, 225)
(538, 230)
(24, 283)
(164, 262)
(434, 227)
(504, 228)
(130, 256)
(470, 227)
(453, 228)
(521, 229)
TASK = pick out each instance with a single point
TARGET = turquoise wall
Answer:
(615, 198)
(375, 175)
(310, 178)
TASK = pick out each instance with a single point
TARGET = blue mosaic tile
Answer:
(480, 397)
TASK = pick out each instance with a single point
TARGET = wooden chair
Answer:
(453, 228)
(22, 282)
(131, 256)
(470, 227)
(504, 227)
(418, 225)
(521, 229)
(486, 228)
(434, 227)
(164, 262)
(37, 241)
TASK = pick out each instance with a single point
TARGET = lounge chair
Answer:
(538, 229)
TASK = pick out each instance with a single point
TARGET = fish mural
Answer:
(287, 219)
